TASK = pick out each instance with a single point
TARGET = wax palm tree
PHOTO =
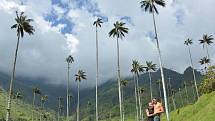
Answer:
(97, 23)
(123, 84)
(204, 61)
(70, 100)
(158, 82)
(59, 107)
(43, 99)
(193, 90)
(186, 91)
(69, 60)
(141, 92)
(150, 67)
(137, 68)
(22, 26)
(173, 98)
(151, 7)
(182, 102)
(36, 91)
(119, 32)
(18, 95)
(78, 77)
(189, 42)
(206, 41)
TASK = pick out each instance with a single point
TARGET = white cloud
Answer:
(48, 47)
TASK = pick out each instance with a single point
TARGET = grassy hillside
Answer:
(203, 110)
(20, 110)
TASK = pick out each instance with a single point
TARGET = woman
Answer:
(150, 112)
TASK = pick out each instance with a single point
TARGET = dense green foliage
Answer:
(208, 83)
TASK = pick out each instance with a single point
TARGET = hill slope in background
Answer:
(108, 92)
(20, 111)
(202, 110)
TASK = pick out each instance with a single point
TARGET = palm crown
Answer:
(119, 30)
(150, 66)
(207, 39)
(150, 5)
(80, 75)
(98, 22)
(188, 42)
(142, 90)
(124, 83)
(204, 60)
(36, 90)
(44, 98)
(69, 59)
(23, 25)
(137, 67)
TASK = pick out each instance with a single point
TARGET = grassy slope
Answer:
(203, 110)
(20, 110)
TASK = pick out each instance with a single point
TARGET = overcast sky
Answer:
(64, 27)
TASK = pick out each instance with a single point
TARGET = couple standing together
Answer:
(154, 110)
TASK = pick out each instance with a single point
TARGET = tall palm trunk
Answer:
(139, 101)
(194, 75)
(150, 81)
(11, 81)
(186, 92)
(182, 102)
(159, 86)
(97, 72)
(41, 107)
(135, 89)
(194, 94)
(118, 70)
(141, 106)
(173, 102)
(161, 69)
(207, 52)
(33, 106)
(58, 114)
(78, 118)
(67, 98)
(123, 106)
(169, 87)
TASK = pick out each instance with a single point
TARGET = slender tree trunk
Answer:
(67, 99)
(207, 52)
(118, 70)
(185, 86)
(139, 101)
(173, 102)
(160, 89)
(97, 72)
(194, 75)
(41, 106)
(11, 82)
(161, 69)
(135, 89)
(141, 106)
(182, 102)
(194, 94)
(150, 79)
(33, 106)
(58, 115)
(78, 118)
(123, 106)
(169, 91)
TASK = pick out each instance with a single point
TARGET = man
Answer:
(158, 109)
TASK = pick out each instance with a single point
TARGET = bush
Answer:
(208, 83)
